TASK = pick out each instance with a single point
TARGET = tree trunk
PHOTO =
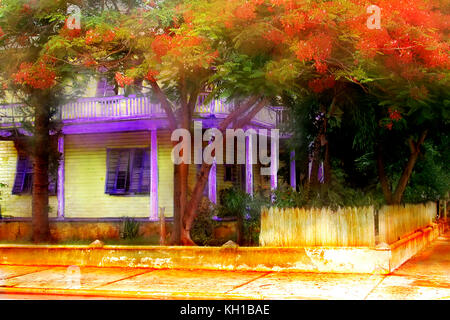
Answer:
(384, 181)
(404, 179)
(185, 238)
(181, 176)
(397, 196)
(197, 194)
(40, 223)
(184, 211)
(313, 178)
(406, 175)
(324, 142)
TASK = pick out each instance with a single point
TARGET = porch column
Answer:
(249, 165)
(212, 184)
(212, 177)
(153, 175)
(293, 174)
(60, 182)
(274, 159)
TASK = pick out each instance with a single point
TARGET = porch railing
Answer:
(110, 108)
(132, 107)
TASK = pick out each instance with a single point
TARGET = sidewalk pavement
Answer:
(425, 276)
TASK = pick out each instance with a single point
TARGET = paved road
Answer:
(426, 276)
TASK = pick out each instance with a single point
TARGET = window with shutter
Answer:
(23, 182)
(229, 173)
(128, 171)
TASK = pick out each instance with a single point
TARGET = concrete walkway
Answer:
(426, 276)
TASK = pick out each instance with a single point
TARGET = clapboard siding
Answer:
(165, 173)
(15, 205)
(85, 174)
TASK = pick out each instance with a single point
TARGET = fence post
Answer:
(162, 226)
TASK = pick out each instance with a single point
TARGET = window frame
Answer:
(27, 184)
(232, 177)
(128, 188)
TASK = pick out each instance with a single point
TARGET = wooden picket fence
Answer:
(396, 221)
(344, 227)
(317, 227)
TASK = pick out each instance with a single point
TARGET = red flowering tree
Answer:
(250, 51)
(179, 50)
(329, 47)
(33, 78)
(29, 77)
(405, 64)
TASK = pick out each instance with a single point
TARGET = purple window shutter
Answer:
(28, 177)
(23, 182)
(136, 170)
(21, 174)
(111, 170)
(145, 181)
(140, 172)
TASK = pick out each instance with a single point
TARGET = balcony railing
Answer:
(132, 107)
(14, 113)
(117, 107)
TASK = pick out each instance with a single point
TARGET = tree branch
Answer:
(404, 179)
(165, 103)
(237, 111)
(192, 102)
(250, 115)
(202, 179)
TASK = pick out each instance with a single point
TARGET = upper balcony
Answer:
(121, 108)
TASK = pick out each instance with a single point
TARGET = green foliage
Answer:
(337, 194)
(430, 180)
(130, 228)
(237, 203)
(234, 202)
(202, 232)
(286, 197)
(340, 193)
(243, 75)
